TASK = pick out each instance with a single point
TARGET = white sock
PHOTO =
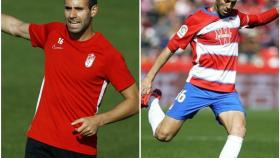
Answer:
(155, 114)
(232, 147)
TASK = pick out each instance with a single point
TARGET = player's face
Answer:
(78, 15)
(224, 7)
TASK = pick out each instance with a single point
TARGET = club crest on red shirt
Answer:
(89, 61)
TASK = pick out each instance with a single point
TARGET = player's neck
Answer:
(83, 35)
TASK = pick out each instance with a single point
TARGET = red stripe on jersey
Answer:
(219, 37)
(215, 86)
(218, 62)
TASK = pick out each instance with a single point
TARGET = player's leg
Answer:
(235, 123)
(155, 113)
(168, 128)
(188, 102)
(164, 128)
(230, 113)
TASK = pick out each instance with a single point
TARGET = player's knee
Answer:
(238, 130)
(164, 136)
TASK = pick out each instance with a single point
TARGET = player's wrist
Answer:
(148, 78)
(98, 119)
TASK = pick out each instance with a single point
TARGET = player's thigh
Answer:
(229, 110)
(169, 126)
(233, 120)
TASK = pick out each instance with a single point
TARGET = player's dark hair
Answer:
(92, 3)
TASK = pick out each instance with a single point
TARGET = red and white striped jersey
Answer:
(214, 43)
(76, 76)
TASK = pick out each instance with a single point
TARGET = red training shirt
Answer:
(76, 76)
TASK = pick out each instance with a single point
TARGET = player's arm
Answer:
(128, 107)
(181, 40)
(146, 84)
(251, 21)
(14, 26)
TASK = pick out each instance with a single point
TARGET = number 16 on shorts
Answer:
(181, 96)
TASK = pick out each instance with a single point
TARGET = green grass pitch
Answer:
(22, 73)
(202, 137)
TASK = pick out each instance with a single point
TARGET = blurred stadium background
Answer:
(22, 73)
(257, 82)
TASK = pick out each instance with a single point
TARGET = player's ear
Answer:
(93, 10)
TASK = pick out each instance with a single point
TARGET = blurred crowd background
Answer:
(160, 19)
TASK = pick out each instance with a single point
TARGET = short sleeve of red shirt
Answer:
(117, 71)
(39, 33)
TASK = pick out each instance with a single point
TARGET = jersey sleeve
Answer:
(183, 36)
(250, 21)
(117, 72)
(39, 33)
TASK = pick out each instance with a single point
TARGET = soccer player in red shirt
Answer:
(213, 35)
(79, 64)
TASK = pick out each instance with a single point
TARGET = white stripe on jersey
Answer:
(212, 75)
(104, 86)
(40, 94)
(229, 22)
(230, 49)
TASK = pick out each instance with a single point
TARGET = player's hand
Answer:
(89, 125)
(146, 86)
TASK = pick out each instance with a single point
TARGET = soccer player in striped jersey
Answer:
(213, 33)
(79, 64)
